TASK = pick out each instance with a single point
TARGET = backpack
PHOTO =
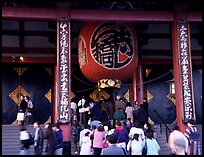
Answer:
(57, 143)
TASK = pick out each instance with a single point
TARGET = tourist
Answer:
(24, 137)
(134, 146)
(104, 115)
(58, 139)
(119, 115)
(38, 138)
(96, 112)
(127, 124)
(152, 144)
(22, 108)
(29, 110)
(85, 144)
(178, 143)
(129, 110)
(141, 115)
(122, 135)
(192, 135)
(110, 111)
(49, 135)
(95, 122)
(76, 135)
(136, 129)
(98, 139)
(82, 133)
(81, 105)
(112, 148)
(74, 112)
(148, 126)
(119, 103)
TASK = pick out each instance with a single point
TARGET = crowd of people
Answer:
(123, 129)
(117, 128)
(105, 128)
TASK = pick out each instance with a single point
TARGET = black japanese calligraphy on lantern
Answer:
(63, 73)
(188, 103)
(111, 41)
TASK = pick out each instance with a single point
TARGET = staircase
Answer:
(161, 138)
(11, 142)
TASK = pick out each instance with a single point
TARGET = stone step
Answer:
(11, 141)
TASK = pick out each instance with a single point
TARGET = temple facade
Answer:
(57, 52)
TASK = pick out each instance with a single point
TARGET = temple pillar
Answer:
(55, 111)
(182, 66)
(138, 87)
(141, 85)
(134, 86)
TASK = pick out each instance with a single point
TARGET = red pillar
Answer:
(141, 85)
(55, 112)
(182, 70)
(134, 86)
(138, 87)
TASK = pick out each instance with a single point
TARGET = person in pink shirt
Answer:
(98, 139)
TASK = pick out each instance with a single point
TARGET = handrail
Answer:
(161, 120)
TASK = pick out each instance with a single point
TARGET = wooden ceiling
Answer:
(37, 39)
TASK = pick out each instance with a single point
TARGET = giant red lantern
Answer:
(107, 51)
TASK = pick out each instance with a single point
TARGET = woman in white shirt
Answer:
(136, 129)
(128, 111)
(152, 144)
(135, 145)
(85, 145)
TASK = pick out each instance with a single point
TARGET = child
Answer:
(85, 145)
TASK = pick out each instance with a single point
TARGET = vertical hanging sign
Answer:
(185, 61)
(64, 70)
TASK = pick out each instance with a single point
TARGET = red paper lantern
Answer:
(107, 51)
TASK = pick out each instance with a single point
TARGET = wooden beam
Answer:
(30, 60)
(29, 33)
(167, 53)
(166, 62)
(25, 13)
(121, 16)
(75, 61)
(28, 50)
(156, 61)
(194, 16)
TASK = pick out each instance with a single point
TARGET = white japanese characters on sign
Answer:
(185, 72)
(63, 73)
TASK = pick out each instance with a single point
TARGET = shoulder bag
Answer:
(130, 149)
(144, 150)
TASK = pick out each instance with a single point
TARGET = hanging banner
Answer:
(186, 73)
(64, 71)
